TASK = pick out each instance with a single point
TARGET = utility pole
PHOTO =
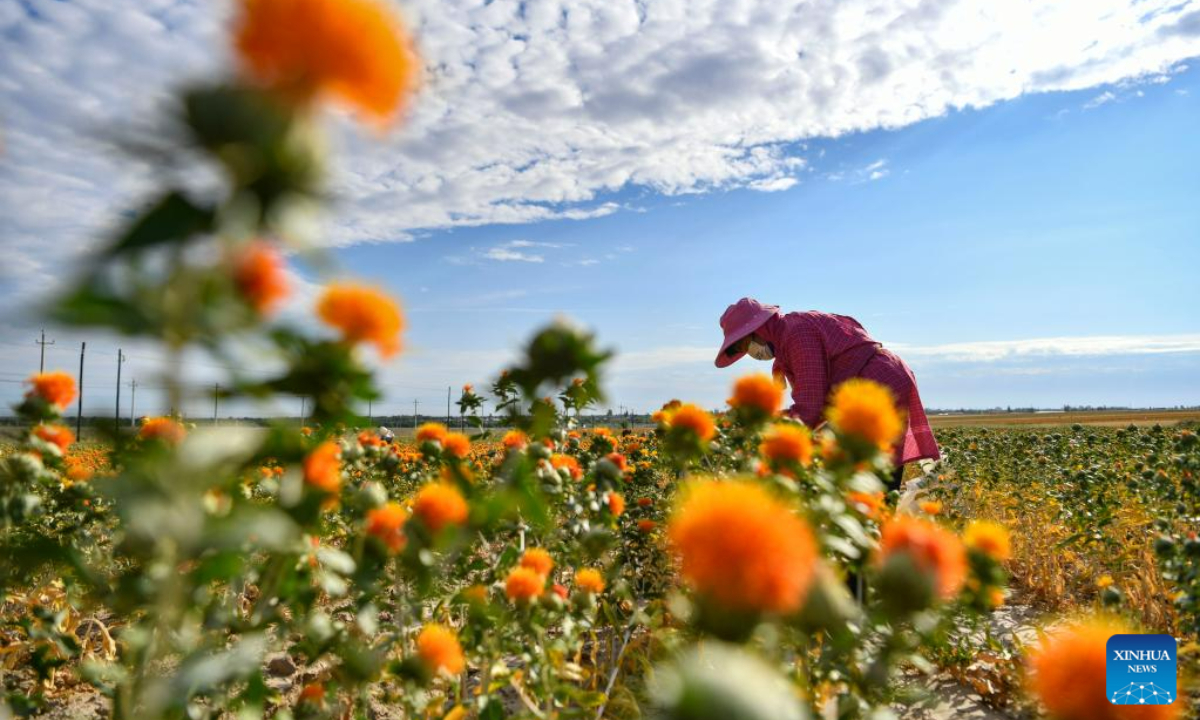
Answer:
(447, 407)
(415, 404)
(43, 343)
(216, 395)
(132, 401)
(117, 415)
(79, 407)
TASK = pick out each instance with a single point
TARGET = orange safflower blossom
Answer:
(787, 443)
(439, 505)
(353, 50)
(931, 507)
(933, 550)
(537, 560)
(758, 392)
(457, 445)
(1067, 671)
(258, 274)
(162, 428)
(989, 538)
(558, 462)
(323, 467)
(743, 548)
(616, 503)
(362, 314)
(646, 526)
(56, 388)
(694, 418)
(58, 435)
(589, 580)
(515, 440)
(387, 525)
(431, 432)
(523, 585)
(439, 649)
(869, 504)
(864, 408)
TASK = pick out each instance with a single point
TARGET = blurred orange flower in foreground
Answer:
(323, 467)
(616, 504)
(55, 435)
(1067, 673)
(694, 418)
(259, 276)
(438, 648)
(355, 50)
(933, 549)
(866, 409)
(989, 538)
(741, 547)
(523, 584)
(439, 505)
(456, 444)
(515, 440)
(538, 560)
(589, 580)
(431, 432)
(787, 443)
(362, 314)
(757, 391)
(162, 428)
(56, 388)
(387, 524)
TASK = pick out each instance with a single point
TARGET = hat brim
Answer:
(725, 360)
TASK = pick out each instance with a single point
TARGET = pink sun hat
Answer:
(739, 320)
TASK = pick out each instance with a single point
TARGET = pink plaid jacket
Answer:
(817, 351)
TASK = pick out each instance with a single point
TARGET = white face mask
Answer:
(760, 351)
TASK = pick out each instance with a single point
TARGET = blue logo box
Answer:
(1141, 669)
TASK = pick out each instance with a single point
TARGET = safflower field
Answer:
(729, 564)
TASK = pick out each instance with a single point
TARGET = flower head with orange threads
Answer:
(616, 503)
(431, 432)
(524, 584)
(362, 314)
(515, 440)
(787, 444)
(866, 410)
(933, 550)
(386, 524)
(58, 435)
(693, 419)
(989, 538)
(439, 650)
(756, 397)
(323, 467)
(55, 388)
(258, 274)
(1067, 673)
(589, 580)
(162, 429)
(353, 50)
(537, 560)
(742, 548)
(456, 445)
(439, 505)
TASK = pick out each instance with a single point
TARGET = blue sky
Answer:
(1004, 193)
(1042, 217)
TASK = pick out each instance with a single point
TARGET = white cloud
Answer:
(505, 255)
(536, 110)
(995, 350)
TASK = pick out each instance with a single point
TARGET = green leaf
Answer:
(172, 219)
